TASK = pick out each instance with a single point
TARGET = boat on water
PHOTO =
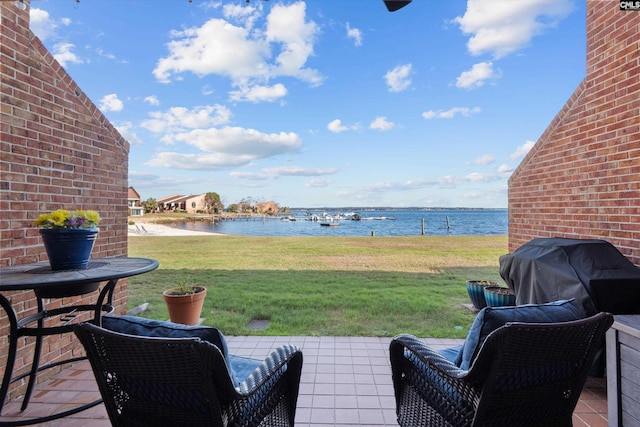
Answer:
(311, 217)
(332, 219)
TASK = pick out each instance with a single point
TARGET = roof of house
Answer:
(133, 194)
(169, 198)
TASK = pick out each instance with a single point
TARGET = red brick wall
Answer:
(582, 178)
(58, 151)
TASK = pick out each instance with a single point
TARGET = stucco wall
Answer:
(58, 151)
(582, 178)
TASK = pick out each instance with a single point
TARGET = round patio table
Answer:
(47, 284)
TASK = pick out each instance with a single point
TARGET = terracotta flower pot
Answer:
(185, 309)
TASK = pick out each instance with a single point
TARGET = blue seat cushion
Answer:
(239, 367)
(451, 354)
(242, 367)
(491, 318)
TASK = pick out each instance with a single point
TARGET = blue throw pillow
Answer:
(491, 318)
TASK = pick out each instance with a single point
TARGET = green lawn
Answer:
(369, 286)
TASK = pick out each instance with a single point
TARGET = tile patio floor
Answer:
(346, 381)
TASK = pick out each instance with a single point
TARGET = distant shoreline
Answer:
(304, 222)
(385, 208)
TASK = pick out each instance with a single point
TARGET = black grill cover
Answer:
(592, 271)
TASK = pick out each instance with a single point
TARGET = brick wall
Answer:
(582, 178)
(58, 151)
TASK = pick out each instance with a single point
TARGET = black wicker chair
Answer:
(525, 374)
(151, 381)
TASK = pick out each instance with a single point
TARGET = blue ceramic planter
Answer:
(475, 289)
(498, 296)
(69, 248)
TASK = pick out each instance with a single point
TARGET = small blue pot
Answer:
(475, 289)
(69, 248)
(498, 296)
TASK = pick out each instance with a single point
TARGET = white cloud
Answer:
(501, 27)
(445, 182)
(214, 48)
(167, 182)
(399, 78)
(46, 28)
(251, 176)
(197, 161)
(381, 123)
(522, 150)
(287, 27)
(477, 76)
(41, 24)
(64, 55)
(225, 148)
(177, 119)
(318, 183)
(142, 176)
(248, 56)
(355, 34)
(111, 103)
(127, 131)
(238, 141)
(482, 177)
(217, 148)
(336, 126)
(152, 100)
(484, 160)
(259, 93)
(101, 52)
(300, 171)
(274, 173)
(504, 168)
(451, 113)
(244, 14)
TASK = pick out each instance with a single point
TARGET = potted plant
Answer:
(68, 237)
(499, 296)
(185, 302)
(475, 289)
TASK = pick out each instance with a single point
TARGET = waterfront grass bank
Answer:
(351, 286)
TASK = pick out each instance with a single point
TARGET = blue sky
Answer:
(322, 103)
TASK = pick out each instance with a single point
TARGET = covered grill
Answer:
(592, 271)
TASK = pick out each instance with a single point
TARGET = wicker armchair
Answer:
(152, 381)
(524, 375)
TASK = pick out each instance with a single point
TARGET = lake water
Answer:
(381, 222)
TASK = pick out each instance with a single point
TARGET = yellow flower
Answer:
(58, 218)
(68, 219)
(91, 216)
(41, 220)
